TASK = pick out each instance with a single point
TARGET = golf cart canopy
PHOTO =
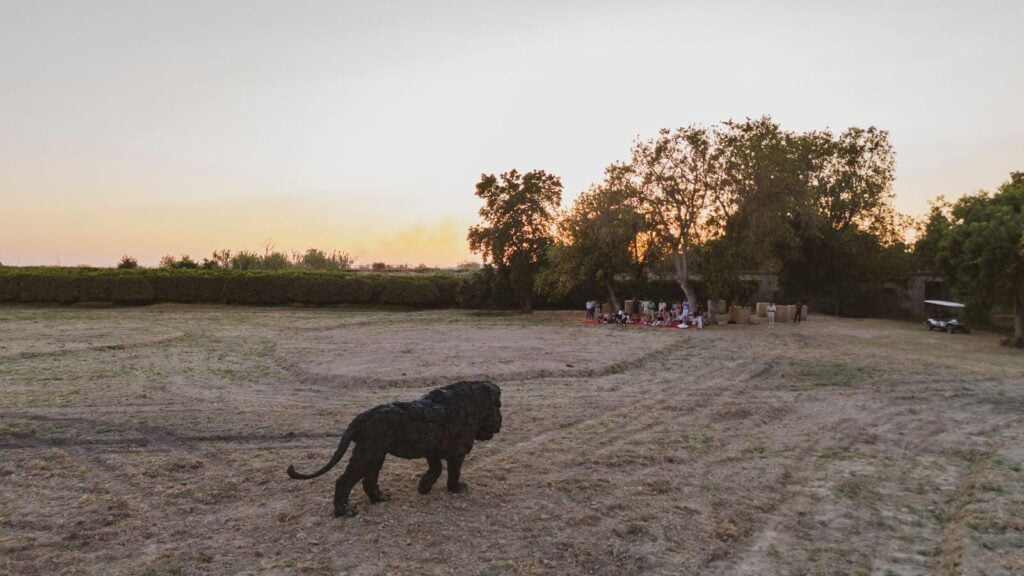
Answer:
(944, 303)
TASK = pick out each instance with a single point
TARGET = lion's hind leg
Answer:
(358, 467)
(431, 475)
(370, 485)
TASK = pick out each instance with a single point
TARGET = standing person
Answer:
(590, 309)
(799, 312)
(686, 310)
(771, 315)
(698, 317)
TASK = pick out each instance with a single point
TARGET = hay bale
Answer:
(712, 312)
(628, 307)
(739, 315)
(604, 308)
(786, 313)
(720, 307)
(762, 309)
(803, 313)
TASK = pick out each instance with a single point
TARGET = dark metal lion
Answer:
(440, 426)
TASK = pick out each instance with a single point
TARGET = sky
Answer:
(149, 128)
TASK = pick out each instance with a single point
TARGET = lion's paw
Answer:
(460, 488)
(346, 513)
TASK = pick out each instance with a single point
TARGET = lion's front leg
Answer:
(431, 475)
(454, 470)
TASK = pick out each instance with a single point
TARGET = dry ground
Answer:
(155, 440)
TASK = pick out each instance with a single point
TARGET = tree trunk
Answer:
(612, 299)
(683, 277)
(526, 305)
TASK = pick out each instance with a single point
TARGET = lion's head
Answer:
(479, 402)
(489, 402)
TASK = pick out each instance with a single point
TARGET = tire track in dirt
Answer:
(703, 395)
(96, 348)
(699, 394)
(653, 416)
(955, 514)
(158, 437)
(325, 382)
(832, 440)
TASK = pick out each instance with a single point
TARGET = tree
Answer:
(127, 263)
(245, 260)
(845, 232)
(185, 263)
(222, 258)
(603, 236)
(930, 233)
(677, 179)
(762, 184)
(208, 264)
(316, 259)
(468, 266)
(519, 214)
(982, 249)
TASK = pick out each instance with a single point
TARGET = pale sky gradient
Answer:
(150, 128)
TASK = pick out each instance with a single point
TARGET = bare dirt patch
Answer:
(155, 440)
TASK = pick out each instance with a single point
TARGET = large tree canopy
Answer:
(712, 202)
(751, 196)
(519, 214)
(603, 236)
(845, 235)
(978, 241)
(677, 179)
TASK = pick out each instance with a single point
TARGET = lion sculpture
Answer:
(440, 426)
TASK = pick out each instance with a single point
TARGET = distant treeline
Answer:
(483, 289)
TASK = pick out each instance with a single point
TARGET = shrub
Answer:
(187, 286)
(409, 291)
(253, 287)
(127, 263)
(186, 263)
(244, 260)
(314, 259)
(275, 261)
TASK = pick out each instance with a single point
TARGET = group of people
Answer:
(647, 313)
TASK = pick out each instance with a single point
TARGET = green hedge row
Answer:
(481, 289)
(71, 285)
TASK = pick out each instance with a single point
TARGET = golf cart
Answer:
(942, 315)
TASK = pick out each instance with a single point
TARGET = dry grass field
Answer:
(154, 441)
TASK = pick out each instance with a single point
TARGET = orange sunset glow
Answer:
(166, 128)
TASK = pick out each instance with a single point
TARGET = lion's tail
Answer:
(346, 439)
